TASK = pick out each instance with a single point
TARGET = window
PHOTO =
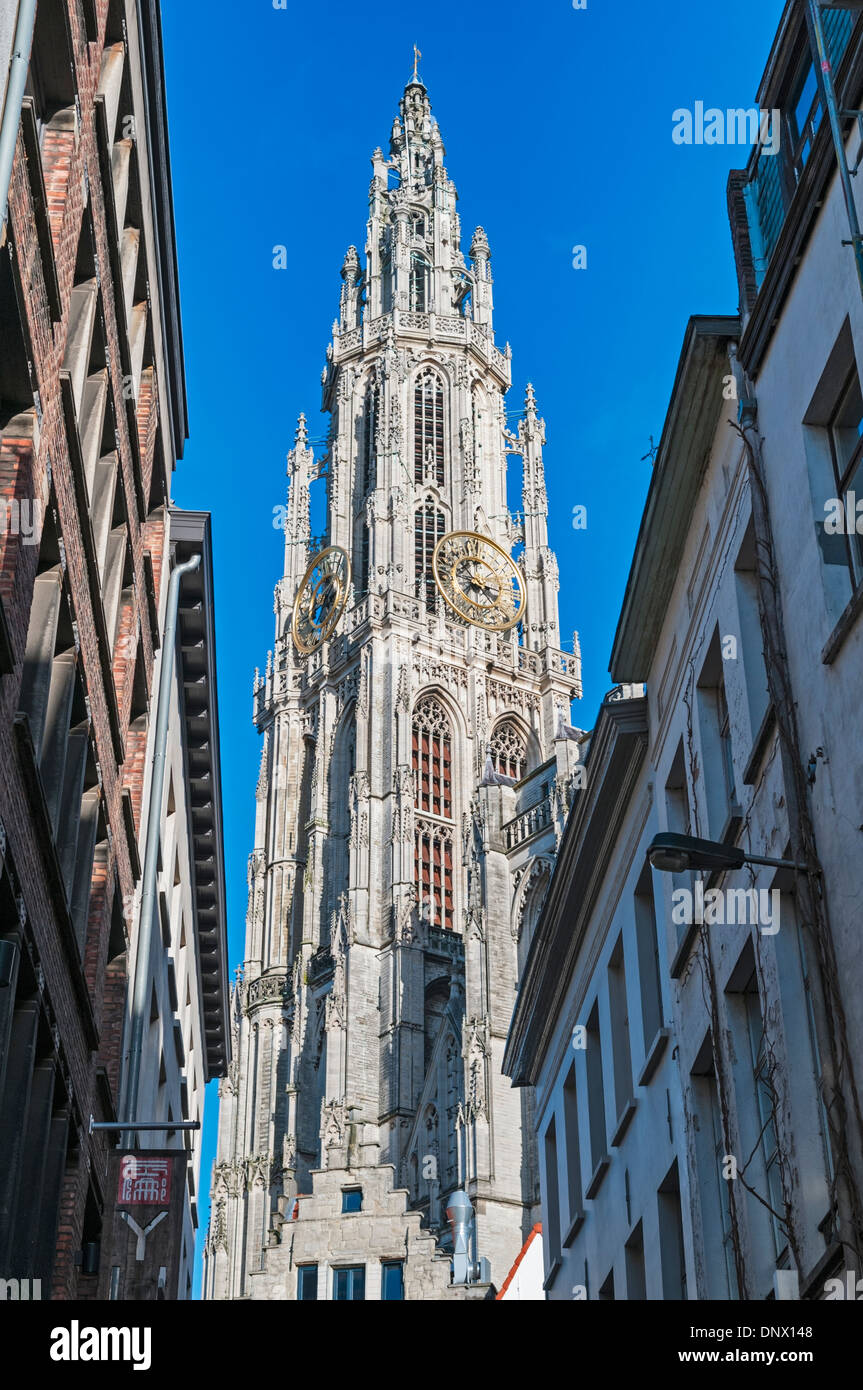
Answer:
(595, 1090)
(804, 115)
(509, 751)
(765, 1097)
(307, 1283)
(636, 1282)
(429, 527)
(725, 744)
(671, 1249)
(606, 1289)
(552, 1195)
(369, 432)
(428, 429)
(419, 283)
(647, 942)
(352, 1200)
(573, 1147)
(677, 808)
(751, 640)
(432, 771)
(392, 1281)
(349, 1284)
(621, 1052)
(846, 449)
(717, 754)
(713, 1182)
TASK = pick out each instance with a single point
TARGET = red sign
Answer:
(144, 1181)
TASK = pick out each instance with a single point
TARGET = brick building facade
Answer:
(92, 421)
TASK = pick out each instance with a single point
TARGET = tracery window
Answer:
(509, 750)
(433, 839)
(428, 429)
(429, 527)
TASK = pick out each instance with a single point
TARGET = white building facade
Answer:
(416, 769)
(697, 1082)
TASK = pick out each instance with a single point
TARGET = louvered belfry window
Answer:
(429, 527)
(433, 844)
(428, 429)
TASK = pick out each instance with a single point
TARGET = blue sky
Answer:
(557, 125)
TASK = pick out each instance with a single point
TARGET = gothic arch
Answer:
(433, 756)
(430, 392)
(343, 759)
(513, 746)
(529, 898)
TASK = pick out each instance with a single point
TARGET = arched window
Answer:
(419, 283)
(429, 527)
(433, 845)
(509, 750)
(336, 848)
(369, 429)
(428, 429)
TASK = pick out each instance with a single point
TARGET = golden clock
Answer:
(321, 598)
(478, 580)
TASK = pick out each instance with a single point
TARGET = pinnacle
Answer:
(301, 437)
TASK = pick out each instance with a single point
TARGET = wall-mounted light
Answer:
(676, 854)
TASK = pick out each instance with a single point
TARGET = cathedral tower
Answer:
(416, 770)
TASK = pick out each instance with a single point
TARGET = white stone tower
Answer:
(416, 770)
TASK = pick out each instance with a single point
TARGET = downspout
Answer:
(838, 1080)
(18, 65)
(141, 993)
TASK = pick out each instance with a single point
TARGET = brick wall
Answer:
(24, 472)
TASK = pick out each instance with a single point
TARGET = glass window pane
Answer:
(392, 1284)
(352, 1200)
(848, 425)
(805, 96)
(358, 1289)
(308, 1283)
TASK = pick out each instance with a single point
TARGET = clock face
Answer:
(479, 581)
(322, 596)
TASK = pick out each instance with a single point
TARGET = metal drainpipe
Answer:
(14, 97)
(823, 60)
(141, 995)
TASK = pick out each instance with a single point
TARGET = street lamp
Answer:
(675, 854)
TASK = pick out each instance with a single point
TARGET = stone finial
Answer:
(530, 400)
(479, 245)
(301, 438)
(351, 265)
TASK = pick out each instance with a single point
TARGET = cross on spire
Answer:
(417, 56)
